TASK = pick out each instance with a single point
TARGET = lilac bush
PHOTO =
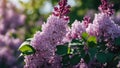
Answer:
(86, 44)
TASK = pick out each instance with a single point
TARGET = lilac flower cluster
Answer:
(102, 26)
(45, 42)
(78, 28)
(56, 31)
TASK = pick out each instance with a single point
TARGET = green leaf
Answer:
(117, 41)
(85, 36)
(26, 49)
(82, 53)
(62, 50)
(75, 59)
(91, 41)
(65, 59)
(92, 52)
(87, 58)
(101, 57)
(110, 56)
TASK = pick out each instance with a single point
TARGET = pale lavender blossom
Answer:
(45, 42)
(103, 26)
(77, 29)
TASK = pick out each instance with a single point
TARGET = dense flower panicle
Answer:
(45, 42)
(62, 10)
(77, 29)
(105, 7)
(103, 26)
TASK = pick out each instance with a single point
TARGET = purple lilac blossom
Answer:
(103, 26)
(56, 28)
(45, 42)
(77, 29)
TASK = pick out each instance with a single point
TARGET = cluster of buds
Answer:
(62, 10)
(106, 7)
(86, 21)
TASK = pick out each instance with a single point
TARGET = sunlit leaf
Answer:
(84, 36)
(91, 41)
(26, 49)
